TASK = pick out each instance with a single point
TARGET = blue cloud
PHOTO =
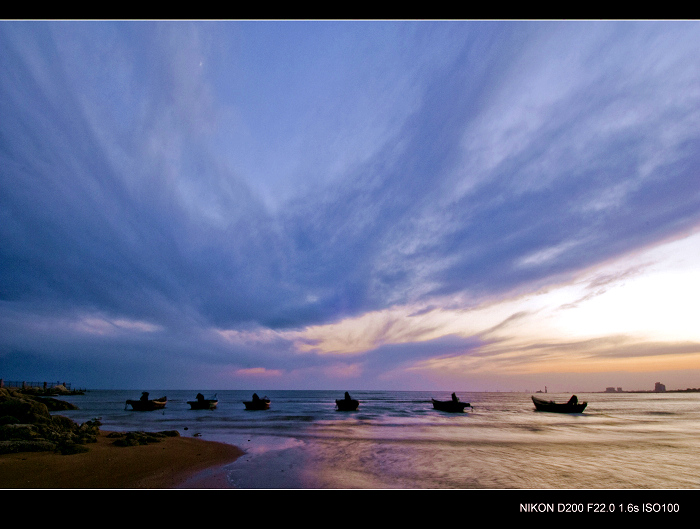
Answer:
(198, 175)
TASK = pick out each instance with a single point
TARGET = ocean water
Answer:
(396, 440)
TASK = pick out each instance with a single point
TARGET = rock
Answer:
(24, 408)
(18, 432)
(27, 426)
(170, 433)
(69, 447)
(55, 404)
(40, 445)
(142, 438)
(138, 438)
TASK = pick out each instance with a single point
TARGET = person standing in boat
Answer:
(144, 396)
(573, 400)
(455, 398)
(255, 397)
(200, 397)
(347, 396)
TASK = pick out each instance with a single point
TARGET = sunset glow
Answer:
(329, 204)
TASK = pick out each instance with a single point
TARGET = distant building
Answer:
(609, 390)
(619, 390)
(659, 388)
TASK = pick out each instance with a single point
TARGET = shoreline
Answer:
(174, 462)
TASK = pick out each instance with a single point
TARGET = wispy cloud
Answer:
(339, 196)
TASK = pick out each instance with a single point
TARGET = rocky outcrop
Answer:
(27, 426)
(16, 407)
(52, 391)
(140, 438)
(55, 404)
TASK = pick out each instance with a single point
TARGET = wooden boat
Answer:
(259, 404)
(147, 405)
(550, 405)
(347, 404)
(203, 404)
(452, 406)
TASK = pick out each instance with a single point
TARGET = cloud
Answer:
(331, 188)
(258, 372)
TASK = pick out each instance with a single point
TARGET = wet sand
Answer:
(174, 462)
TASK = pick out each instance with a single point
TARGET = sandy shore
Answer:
(175, 462)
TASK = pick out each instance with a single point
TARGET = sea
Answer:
(396, 440)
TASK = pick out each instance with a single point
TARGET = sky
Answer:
(390, 205)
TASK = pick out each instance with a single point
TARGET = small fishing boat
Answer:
(451, 406)
(203, 404)
(257, 403)
(347, 404)
(573, 406)
(147, 404)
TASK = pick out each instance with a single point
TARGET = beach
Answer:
(174, 462)
(394, 440)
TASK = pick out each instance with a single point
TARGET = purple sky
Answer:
(350, 205)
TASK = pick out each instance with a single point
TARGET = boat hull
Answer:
(553, 407)
(450, 406)
(262, 404)
(347, 405)
(203, 404)
(147, 405)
